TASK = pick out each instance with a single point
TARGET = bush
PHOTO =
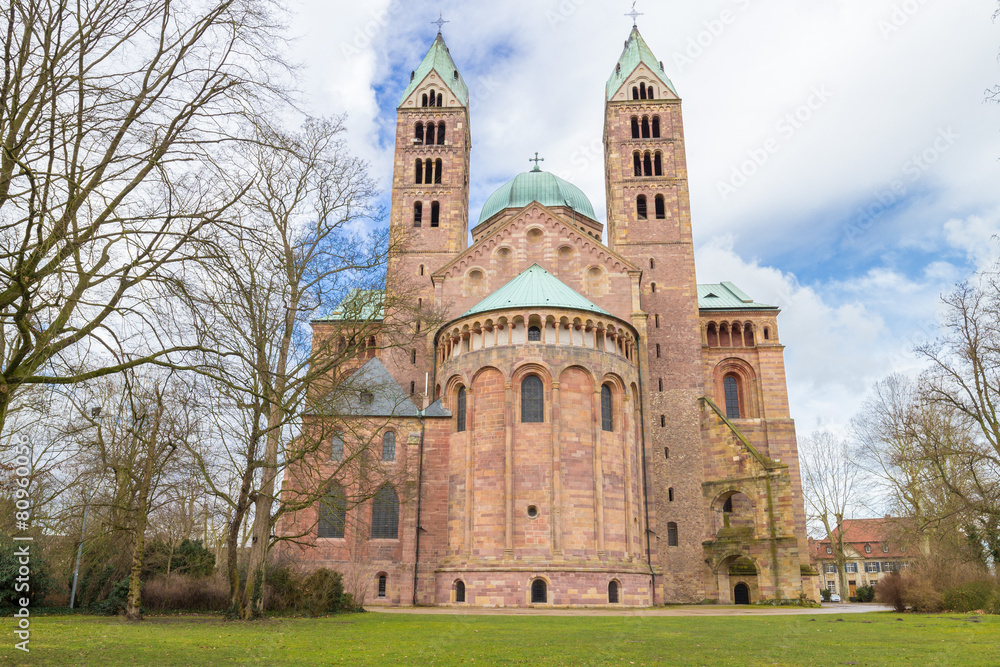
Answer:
(182, 593)
(38, 579)
(322, 593)
(865, 593)
(890, 592)
(825, 594)
(190, 558)
(970, 597)
(114, 603)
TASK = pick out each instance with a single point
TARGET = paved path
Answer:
(680, 610)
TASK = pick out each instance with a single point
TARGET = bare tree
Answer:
(298, 248)
(114, 120)
(832, 489)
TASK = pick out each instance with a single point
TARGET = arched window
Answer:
(732, 391)
(437, 171)
(433, 98)
(534, 335)
(637, 159)
(459, 591)
(661, 208)
(385, 514)
(640, 207)
(421, 269)
(337, 447)
(642, 91)
(607, 416)
(649, 93)
(382, 581)
(532, 400)
(671, 534)
(539, 592)
(645, 127)
(332, 513)
(658, 164)
(652, 263)
(748, 335)
(435, 214)
(670, 494)
(428, 171)
(418, 133)
(420, 172)
(430, 134)
(441, 133)
(389, 446)
(635, 92)
(418, 213)
(460, 410)
(647, 164)
(423, 100)
(656, 127)
(652, 287)
(767, 334)
(440, 100)
(635, 127)
(613, 592)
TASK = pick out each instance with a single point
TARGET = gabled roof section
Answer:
(727, 296)
(535, 287)
(438, 59)
(636, 52)
(360, 305)
(370, 392)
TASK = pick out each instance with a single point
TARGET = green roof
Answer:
(438, 59)
(636, 52)
(360, 305)
(536, 287)
(540, 186)
(727, 296)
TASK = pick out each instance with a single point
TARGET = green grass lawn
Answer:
(403, 639)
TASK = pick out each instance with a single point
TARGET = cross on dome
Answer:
(536, 160)
(440, 22)
(635, 15)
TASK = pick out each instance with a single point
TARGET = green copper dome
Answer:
(540, 186)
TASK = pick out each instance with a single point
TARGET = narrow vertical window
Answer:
(532, 400)
(661, 208)
(413, 357)
(418, 212)
(652, 287)
(421, 269)
(385, 514)
(440, 100)
(670, 494)
(637, 159)
(658, 164)
(413, 387)
(657, 350)
(428, 171)
(635, 127)
(420, 172)
(332, 513)
(433, 98)
(437, 171)
(382, 580)
(732, 391)
(418, 134)
(613, 592)
(459, 591)
(460, 411)
(435, 214)
(337, 447)
(607, 416)
(441, 133)
(656, 320)
(640, 207)
(389, 446)
(423, 100)
(642, 91)
(635, 92)
(672, 534)
(656, 127)
(652, 263)
(645, 127)
(661, 384)
(647, 164)
(663, 421)
(430, 134)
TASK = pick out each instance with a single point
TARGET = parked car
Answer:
(834, 597)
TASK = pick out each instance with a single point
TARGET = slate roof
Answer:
(727, 296)
(371, 392)
(540, 186)
(438, 59)
(535, 287)
(636, 52)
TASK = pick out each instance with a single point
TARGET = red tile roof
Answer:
(859, 532)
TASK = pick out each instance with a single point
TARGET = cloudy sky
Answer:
(843, 163)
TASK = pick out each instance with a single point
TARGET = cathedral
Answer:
(585, 424)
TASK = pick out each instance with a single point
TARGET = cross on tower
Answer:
(440, 22)
(536, 160)
(635, 16)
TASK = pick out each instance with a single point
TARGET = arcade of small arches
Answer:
(432, 98)
(429, 134)
(647, 163)
(418, 214)
(538, 591)
(537, 328)
(428, 171)
(645, 127)
(643, 92)
(736, 334)
(642, 207)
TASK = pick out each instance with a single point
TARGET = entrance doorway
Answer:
(741, 594)
(539, 594)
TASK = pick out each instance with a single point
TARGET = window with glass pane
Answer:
(532, 400)
(534, 335)
(460, 412)
(732, 397)
(389, 446)
(332, 513)
(385, 515)
(337, 447)
(607, 418)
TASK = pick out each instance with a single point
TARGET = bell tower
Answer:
(429, 217)
(649, 222)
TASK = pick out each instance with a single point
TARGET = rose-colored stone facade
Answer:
(667, 498)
